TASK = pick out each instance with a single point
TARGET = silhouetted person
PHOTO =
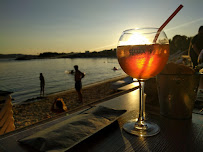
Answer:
(114, 68)
(200, 58)
(78, 84)
(197, 46)
(58, 106)
(42, 84)
(72, 72)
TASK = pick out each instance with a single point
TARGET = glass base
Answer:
(148, 129)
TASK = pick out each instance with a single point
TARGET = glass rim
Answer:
(142, 28)
(146, 36)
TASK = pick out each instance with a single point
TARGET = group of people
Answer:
(59, 105)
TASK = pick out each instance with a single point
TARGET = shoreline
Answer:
(31, 100)
(30, 113)
(91, 84)
(36, 112)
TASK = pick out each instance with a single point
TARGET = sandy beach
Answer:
(33, 112)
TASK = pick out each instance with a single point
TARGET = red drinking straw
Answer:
(166, 22)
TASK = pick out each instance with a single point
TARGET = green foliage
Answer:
(48, 54)
(179, 42)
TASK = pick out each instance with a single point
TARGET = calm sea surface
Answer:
(22, 77)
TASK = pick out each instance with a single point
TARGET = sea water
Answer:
(22, 77)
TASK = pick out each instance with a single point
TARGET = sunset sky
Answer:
(36, 26)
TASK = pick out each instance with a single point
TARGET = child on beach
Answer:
(58, 106)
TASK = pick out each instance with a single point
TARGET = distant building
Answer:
(87, 52)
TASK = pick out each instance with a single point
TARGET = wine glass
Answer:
(142, 58)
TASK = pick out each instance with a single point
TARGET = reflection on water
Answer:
(22, 77)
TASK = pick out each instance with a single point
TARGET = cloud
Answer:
(185, 24)
(104, 47)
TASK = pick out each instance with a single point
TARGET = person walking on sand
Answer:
(42, 84)
(78, 84)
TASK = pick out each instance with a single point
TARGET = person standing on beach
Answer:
(78, 83)
(42, 84)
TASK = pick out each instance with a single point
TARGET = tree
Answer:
(179, 42)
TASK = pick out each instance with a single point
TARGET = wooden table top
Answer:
(175, 135)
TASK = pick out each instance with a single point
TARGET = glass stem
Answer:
(141, 104)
